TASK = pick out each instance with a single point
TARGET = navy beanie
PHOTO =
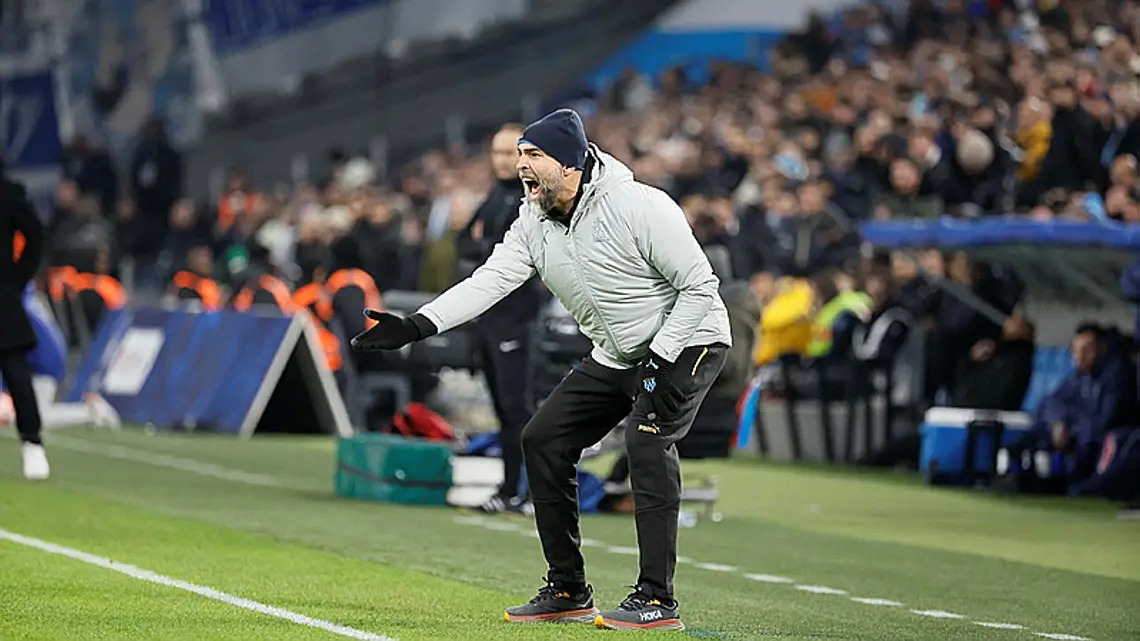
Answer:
(561, 136)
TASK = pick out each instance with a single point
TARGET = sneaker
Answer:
(493, 505)
(35, 462)
(520, 505)
(640, 611)
(555, 604)
(515, 505)
(102, 414)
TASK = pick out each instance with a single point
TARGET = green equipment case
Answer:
(394, 469)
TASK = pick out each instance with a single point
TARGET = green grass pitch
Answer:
(803, 553)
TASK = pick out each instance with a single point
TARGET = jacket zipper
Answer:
(590, 295)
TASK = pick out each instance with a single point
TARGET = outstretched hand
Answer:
(390, 331)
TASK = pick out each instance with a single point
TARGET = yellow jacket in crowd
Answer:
(785, 324)
(1034, 144)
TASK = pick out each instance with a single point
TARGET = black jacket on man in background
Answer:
(497, 212)
(504, 330)
(17, 215)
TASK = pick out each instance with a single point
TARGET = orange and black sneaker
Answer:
(640, 611)
(556, 603)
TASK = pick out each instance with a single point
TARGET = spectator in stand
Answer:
(186, 230)
(905, 199)
(236, 201)
(1032, 136)
(440, 263)
(77, 233)
(156, 183)
(311, 250)
(378, 233)
(93, 171)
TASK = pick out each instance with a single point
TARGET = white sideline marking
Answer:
(717, 567)
(238, 476)
(938, 614)
(200, 590)
(769, 578)
(868, 601)
(820, 589)
(172, 462)
(618, 549)
(499, 526)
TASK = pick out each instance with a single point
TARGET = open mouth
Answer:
(531, 188)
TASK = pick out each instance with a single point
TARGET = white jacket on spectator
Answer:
(627, 267)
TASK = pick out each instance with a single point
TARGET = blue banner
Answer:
(29, 127)
(241, 24)
(182, 369)
(949, 232)
(129, 61)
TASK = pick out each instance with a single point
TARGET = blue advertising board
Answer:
(28, 123)
(215, 371)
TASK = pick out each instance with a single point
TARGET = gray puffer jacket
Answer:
(627, 267)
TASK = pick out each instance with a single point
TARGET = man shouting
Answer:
(621, 258)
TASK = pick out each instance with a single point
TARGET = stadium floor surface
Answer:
(247, 541)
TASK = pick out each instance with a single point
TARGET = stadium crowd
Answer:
(889, 110)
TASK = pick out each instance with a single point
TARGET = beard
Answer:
(548, 189)
(548, 194)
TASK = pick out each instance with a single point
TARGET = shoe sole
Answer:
(610, 624)
(570, 616)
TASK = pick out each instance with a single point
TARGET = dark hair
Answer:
(824, 283)
(1090, 327)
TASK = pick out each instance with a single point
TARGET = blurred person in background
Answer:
(996, 374)
(377, 233)
(77, 232)
(905, 199)
(156, 183)
(21, 249)
(1071, 423)
(237, 200)
(93, 172)
(504, 330)
(785, 328)
(439, 267)
(1032, 136)
(960, 323)
(186, 230)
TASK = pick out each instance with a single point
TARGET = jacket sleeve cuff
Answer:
(425, 325)
(665, 350)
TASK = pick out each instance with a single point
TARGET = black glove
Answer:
(657, 384)
(391, 331)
